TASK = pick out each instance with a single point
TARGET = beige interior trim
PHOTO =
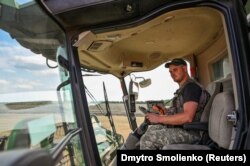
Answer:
(178, 33)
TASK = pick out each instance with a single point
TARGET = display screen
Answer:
(154, 102)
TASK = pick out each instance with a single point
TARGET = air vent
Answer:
(95, 46)
(99, 45)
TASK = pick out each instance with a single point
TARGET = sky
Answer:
(24, 74)
(20, 2)
(22, 71)
(161, 88)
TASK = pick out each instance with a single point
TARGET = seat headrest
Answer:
(227, 83)
(213, 87)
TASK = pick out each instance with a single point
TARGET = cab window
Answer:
(36, 103)
(221, 68)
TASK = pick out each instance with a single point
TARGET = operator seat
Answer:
(213, 89)
(219, 128)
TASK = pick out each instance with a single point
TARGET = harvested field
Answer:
(119, 117)
(121, 124)
(11, 114)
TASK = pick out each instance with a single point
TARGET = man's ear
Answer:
(185, 68)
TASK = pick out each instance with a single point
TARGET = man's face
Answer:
(177, 72)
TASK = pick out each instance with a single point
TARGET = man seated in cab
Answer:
(187, 106)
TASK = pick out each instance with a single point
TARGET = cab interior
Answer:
(123, 37)
(197, 34)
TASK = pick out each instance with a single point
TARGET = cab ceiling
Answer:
(178, 33)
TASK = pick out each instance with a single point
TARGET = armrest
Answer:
(201, 126)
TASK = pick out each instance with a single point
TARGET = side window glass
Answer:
(247, 6)
(36, 104)
(221, 68)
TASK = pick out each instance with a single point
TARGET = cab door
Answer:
(238, 31)
(245, 70)
(40, 119)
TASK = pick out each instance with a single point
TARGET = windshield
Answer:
(104, 111)
(36, 105)
(162, 88)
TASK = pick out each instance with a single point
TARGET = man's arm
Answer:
(189, 110)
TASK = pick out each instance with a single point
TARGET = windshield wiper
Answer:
(109, 113)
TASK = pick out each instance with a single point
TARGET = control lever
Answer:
(143, 110)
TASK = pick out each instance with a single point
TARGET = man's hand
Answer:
(160, 109)
(152, 118)
(177, 119)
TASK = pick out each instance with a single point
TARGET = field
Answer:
(119, 117)
(121, 124)
(15, 112)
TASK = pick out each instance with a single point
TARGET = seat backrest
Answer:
(219, 128)
(213, 89)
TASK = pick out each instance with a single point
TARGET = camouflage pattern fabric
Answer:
(159, 135)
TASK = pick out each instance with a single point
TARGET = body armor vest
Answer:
(177, 102)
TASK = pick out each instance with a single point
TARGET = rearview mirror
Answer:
(145, 83)
(134, 86)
